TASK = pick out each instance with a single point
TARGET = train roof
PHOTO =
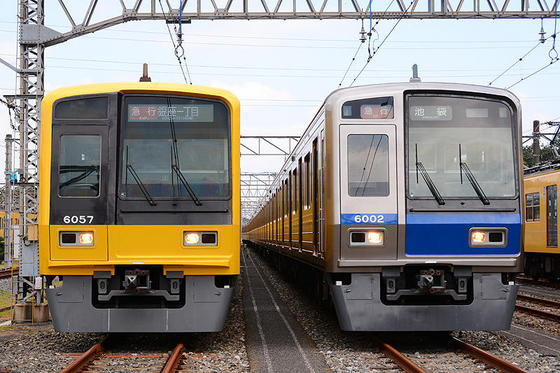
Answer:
(542, 168)
(140, 87)
(405, 86)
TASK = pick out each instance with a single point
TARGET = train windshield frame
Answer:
(175, 148)
(460, 147)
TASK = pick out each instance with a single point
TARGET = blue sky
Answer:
(282, 70)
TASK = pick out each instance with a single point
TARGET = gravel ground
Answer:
(354, 352)
(511, 350)
(6, 284)
(535, 322)
(26, 348)
(540, 291)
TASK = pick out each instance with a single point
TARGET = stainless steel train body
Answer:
(405, 197)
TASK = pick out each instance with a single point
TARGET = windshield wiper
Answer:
(141, 185)
(463, 166)
(86, 171)
(429, 182)
(175, 163)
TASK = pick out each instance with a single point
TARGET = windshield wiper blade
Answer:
(477, 188)
(431, 186)
(175, 162)
(186, 185)
(86, 171)
(141, 185)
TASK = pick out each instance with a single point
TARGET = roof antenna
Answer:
(145, 77)
(415, 77)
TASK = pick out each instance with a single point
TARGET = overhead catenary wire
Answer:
(362, 40)
(188, 81)
(381, 44)
(521, 58)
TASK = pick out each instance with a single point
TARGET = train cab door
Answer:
(368, 193)
(551, 216)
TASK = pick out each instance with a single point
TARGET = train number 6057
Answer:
(77, 219)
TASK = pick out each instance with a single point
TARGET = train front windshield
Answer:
(175, 148)
(462, 146)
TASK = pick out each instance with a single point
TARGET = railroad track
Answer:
(554, 316)
(475, 353)
(96, 359)
(528, 280)
(7, 273)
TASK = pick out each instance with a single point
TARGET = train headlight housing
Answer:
(200, 238)
(76, 238)
(375, 237)
(488, 237)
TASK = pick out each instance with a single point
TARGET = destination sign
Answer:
(431, 112)
(165, 113)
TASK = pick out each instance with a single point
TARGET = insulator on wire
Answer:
(542, 33)
(363, 33)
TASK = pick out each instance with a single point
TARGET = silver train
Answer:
(402, 200)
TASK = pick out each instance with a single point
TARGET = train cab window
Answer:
(79, 170)
(84, 108)
(369, 108)
(532, 207)
(368, 165)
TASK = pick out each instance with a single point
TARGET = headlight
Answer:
(200, 238)
(375, 237)
(76, 238)
(478, 237)
(192, 238)
(488, 237)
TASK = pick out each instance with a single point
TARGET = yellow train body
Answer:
(141, 247)
(542, 253)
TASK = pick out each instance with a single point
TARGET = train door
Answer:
(322, 211)
(551, 216)
(315, 201)
(368, 192)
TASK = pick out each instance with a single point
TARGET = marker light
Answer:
(85, 238)
(375, 237)
(478, 237)
(191, 238)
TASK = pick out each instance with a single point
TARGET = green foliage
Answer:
(547, 154)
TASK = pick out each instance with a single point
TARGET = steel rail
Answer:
(486, 357)
(539, 313)
(402, 361)
(78, 364)
(174, 360)
(528, 280)
(537, 300)
(7, 273)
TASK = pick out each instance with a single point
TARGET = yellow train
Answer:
(139, 206)
(542, 254)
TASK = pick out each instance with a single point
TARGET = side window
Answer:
(79, 171)
(368, 165)
(529, 207)
(536, 207)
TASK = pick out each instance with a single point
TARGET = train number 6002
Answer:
(77, 219)
(379, 219)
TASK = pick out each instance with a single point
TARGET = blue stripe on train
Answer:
(448, 234)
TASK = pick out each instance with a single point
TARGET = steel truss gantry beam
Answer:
(254, 186)
(268, 145)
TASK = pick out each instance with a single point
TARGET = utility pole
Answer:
(536, 142)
